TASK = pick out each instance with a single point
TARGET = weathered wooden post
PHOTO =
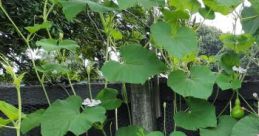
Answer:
(143, 105)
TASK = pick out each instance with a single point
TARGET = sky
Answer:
(223, 22)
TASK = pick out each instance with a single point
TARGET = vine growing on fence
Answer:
(170, 48)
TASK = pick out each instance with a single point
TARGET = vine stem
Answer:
(27, 43)
(71, 85)
(19, 98)
(89, 85)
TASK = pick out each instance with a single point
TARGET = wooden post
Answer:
(142, 106)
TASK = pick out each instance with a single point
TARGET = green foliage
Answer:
(136, 131)
(224, 128)
(247, 126)
(201, 115)
(177, 133)
(108, 97)
(178, 43)
(31, 121)
(138, 65)
(198, 83)
(226, 82)
(223, 6)
(53, 45)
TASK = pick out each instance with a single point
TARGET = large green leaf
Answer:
(248, 126)
(37, 27)
(191, 5)
(223, 6)
(250, 20)
(53, 45)
(178, 43)
(226, 82)
(64, 115)
(201, 115)
(173, 16)
(155, 133)
(53, 69)
(238, 43)
(177, 133)
(131, 131)
(147, 4)
(72, 8)
(207, 13)
(198, 84)
(108, 97)
(138, 65)
(31, 121)
(224, 127)
(228, 60)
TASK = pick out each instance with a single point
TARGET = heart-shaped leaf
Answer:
(207, 13)
(108, 97)
(226, 82)
(177, 133)
(228, 60)
(131, 131)
(37, 27)
(237, 43)
(31, 121)
(178, 43)
(224, 127)
(53, 45)
(248, 126)
(72, 8)
(64, 115)
(53, 69)
(250, 21)
(147, 4)
(198, 84)
(138, 65)
(191, 5)
(223, 6)
(201, 115)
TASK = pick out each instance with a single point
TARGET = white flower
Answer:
(239, 69)
(35, 54)
(255, 95)
(91, 103)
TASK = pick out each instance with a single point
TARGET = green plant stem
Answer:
(71, 85)
(27, 43)
(125, 99)
(89, 85)
(104, 133)
(222, 111)
(247, 103)
(19, 99)
(116, 120)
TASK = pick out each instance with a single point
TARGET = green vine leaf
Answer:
(223, 6)
(53, 45)
(108, 97)
(238, 43)
(226, 82)
(207, 13)
(138, 65)
(67, 117)
(31, 121)
(36, 27)
(178, 43)
(224, 127)
(53, 69)
(131, 131)
(72, 8)
(155, 133)
(201, 115)
(177, 133)
(191, 5)
(198, 84)
(248, 126)
(250, 23)
(147, 4)
(228, 60)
